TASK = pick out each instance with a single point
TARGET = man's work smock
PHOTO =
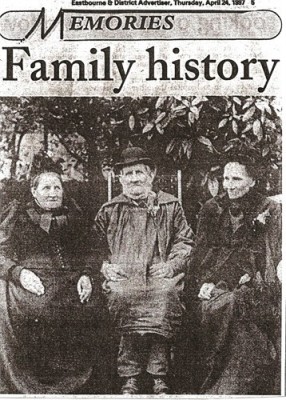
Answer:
(138, 235)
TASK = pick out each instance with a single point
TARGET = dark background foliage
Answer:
(189, 133)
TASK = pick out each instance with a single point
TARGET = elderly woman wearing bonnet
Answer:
(45, 288)
(238, 249)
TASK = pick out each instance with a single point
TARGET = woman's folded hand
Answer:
(206, 290)
(244, 279)
(84, 288)
(31, 282)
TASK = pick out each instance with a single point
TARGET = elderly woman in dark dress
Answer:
(45, 285)
(237, 252)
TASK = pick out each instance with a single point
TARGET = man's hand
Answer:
(113, 272)
(244, 279)
(84, 288)
(31, 282)
(206, 291)
(161, 270)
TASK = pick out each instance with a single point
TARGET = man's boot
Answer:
(160, 386)
(130, 386)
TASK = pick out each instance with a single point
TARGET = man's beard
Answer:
(141, 193)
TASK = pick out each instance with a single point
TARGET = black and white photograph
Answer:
(141, 245)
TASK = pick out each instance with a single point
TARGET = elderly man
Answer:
(149, 244)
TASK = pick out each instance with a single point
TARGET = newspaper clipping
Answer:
(141, 198)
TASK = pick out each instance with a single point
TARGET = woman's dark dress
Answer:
(240, 323)
(45, 341)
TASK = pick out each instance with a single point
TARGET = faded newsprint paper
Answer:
(173, 287)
